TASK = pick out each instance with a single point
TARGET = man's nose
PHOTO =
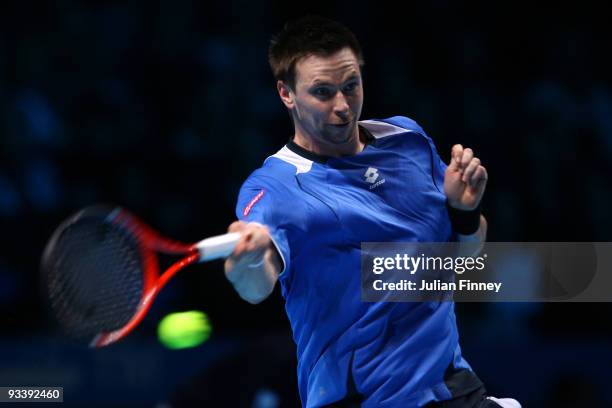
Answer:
(341, 107)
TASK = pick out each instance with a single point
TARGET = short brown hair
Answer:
(307, 36)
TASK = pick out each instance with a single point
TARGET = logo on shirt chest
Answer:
(372, 177)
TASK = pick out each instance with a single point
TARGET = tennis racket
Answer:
(101, 271)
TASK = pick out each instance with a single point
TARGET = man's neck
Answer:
(353, 145)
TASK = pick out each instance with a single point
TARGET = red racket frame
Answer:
(150, 242)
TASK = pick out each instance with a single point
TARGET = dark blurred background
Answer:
(166, 107)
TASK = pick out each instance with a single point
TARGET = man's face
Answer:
(328, 97)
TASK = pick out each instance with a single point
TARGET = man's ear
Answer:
(286, 94)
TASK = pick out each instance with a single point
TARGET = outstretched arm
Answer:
(255, 264)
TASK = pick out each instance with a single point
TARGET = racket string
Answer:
(95, 277)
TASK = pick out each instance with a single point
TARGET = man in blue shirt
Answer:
(340, 182)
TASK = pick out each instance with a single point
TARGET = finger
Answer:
(480, 176)
(238, 249)
(242, 246)
(236, 226)
(252, 243)
(258, 232)
(466, 157)
(470, 169)
(254, 237)
(477, 176)
(456, 153)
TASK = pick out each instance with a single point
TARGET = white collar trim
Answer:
(301, 164)
(381, 129)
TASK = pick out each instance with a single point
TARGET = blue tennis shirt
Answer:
(319, 210)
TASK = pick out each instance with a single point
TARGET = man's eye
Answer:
(350, 87)
(322, 92)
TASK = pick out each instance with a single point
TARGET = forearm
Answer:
(254, 280)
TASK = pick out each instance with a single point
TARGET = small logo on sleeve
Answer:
(371, 175)
(254, 201)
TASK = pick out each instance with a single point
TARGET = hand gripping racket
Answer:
(101, 271)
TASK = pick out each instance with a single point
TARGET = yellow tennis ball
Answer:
(184, 329)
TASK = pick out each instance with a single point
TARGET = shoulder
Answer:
(276, 178)
(393, 126)
(399, 132)
(278, 171)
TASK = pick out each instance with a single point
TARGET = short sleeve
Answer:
(438, 166)
(258, 201)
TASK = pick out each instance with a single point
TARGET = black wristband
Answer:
(464, 222)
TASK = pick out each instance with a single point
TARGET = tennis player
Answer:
(338, 182)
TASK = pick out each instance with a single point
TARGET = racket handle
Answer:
(220, 246)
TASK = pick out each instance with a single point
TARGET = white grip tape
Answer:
(220, 246)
